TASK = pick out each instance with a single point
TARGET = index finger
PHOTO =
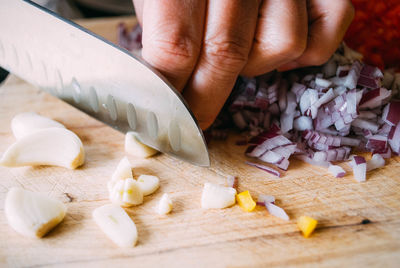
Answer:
(172, 34)
(229, 32)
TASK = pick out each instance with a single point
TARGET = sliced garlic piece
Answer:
(164, 205)
(217, 196)
(132, 194)
(116, 224)
(123, 171)
(134, 147)
(126, 193)
(148, 184)
(27, 123)
(50, 146)
(117, 192)
(32, 214)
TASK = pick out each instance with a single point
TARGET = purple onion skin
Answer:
(359, 160)
(340, 175)
(265, 168)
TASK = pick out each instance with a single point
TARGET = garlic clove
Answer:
(132, 193)
(148, 184)
(123, 171)
(32, 214)
(126, 193)
(164, 205)
(116, 224)
(134, 147)
(27, 123)
(50, 146)
(217, 196)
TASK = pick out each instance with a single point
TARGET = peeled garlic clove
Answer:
(164, 205)
(217, 196)
(27, 123)
(123, 171)
(134, 147)
(116, 192)
(126, 193)
(132, 194)
(148, 184)
(32, 214)
(50, 146)
(116, 224)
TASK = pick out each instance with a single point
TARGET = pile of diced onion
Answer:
(318, 115)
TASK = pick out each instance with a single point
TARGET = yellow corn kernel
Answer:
(245, 201)
(306, 225)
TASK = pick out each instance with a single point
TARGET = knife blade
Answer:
(99, 78)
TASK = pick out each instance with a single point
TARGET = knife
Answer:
(99, 78)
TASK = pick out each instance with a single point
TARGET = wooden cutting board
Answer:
(191, 236)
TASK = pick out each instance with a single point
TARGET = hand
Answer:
(202, 46)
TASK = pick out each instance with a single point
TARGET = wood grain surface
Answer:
(191, 236)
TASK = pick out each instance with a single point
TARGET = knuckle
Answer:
(178, 52)
(232, 54)
(290, 47)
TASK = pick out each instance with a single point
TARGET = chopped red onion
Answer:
(310, 161)
(377, 143)
(367, 115)
(353, 75)
(323, 83)
(370, 77)
(262, 198)
(387, 153)
(351, 101)
(391, 113)
(265, 168)
(287, 122)
(394, 139)
(306, 99)
(271, 157)
(359, 166)
(284, 164)
(365, 124)
(269, 144)
(298, 90)
(276, 211)
(376, 161)
(349, 141)
(323, 115)
(371, 71)
(374, 98)
(303, 123)
(343, 70)
(285, 150)
(282, 100)
(327, 97)
(336, 171)
(261, 99)
(329, 69)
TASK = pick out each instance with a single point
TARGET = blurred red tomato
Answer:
(375, 32)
